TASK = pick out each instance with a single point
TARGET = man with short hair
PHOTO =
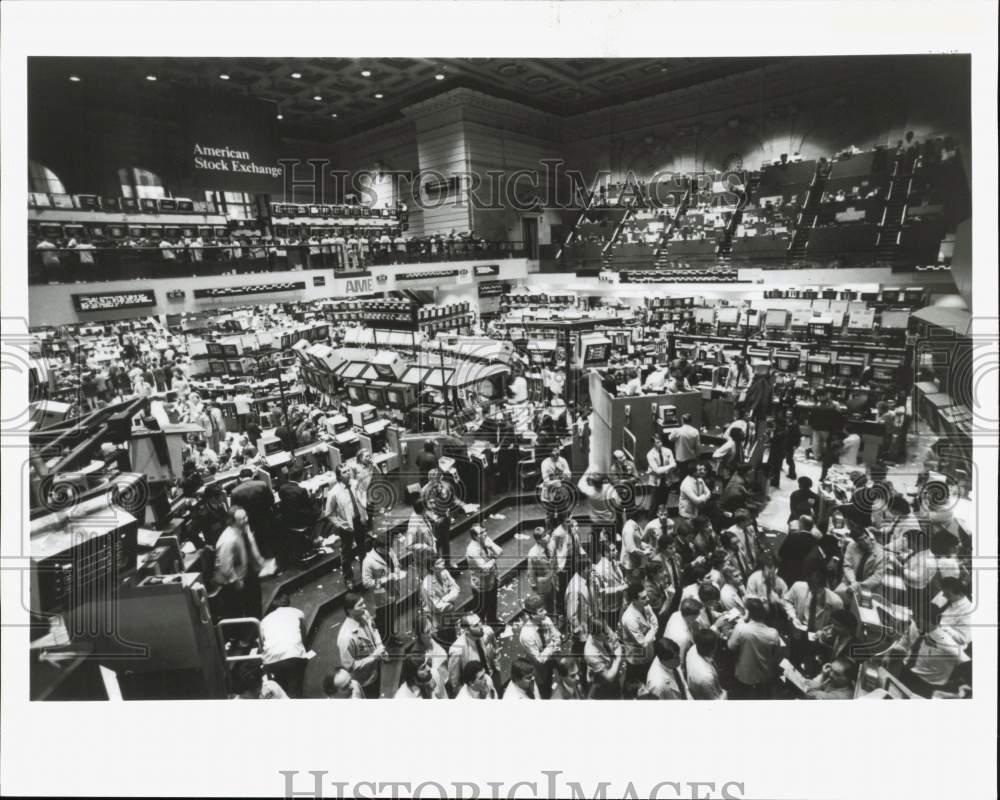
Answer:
(339, 685)
(702, 673)
(930, 653)
(864, 564)
(360, 646)
(482, 553)
(522, 681)
(664, 680)
(282, 634)
(380, 575)
(347, 517)
(694, 494)
(567, 685)
(475, 642)
(759, 649)
(835, 681)
(956, 610)
(639, 628)
(602, 653)
(803, 500)
(687, 442)
(541, 569)
(541, 641)
(684, 623)
(476, 683)
(661, 467)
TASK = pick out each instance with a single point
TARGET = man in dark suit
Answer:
(298, 512)
(800, 555)
(257, 499)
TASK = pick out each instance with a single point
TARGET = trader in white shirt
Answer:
(661, 468)
(639, 627)
(476, 683)
(522, 681)
(694, 493)
(541, 641)
(656, 381)
(956, 610)
(482, 553)
(702, 672)
(687, 441)
(283, 649)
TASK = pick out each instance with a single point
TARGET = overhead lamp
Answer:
(280, 116)
(150, 77)
(379, 95)
(74, 78)
(334, 115)
(296, 75)
(366, 73)
(223, 77)
(317, 97)
(439, 76)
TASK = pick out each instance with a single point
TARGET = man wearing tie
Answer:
(579, 608)
(475, 642)
(639, 626)
(360, 646)
(864, 565)
(664, 680)
(687, 442)
(810, 606)
(380, 575)
(744, 532)
(349, 519)
(695, 493)
(482, 553)
(930, 654)
(661, 465)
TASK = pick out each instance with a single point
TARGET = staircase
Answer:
(659, 250)
(807, 216)
(635, 203)
(751, 189)
(897, 197)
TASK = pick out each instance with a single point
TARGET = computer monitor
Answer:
(230, 350)
(401, 396)
(884, 374)
(362, 414)
(786, 361)
(728, 316)
(214, 349)
(815, 368)
(217, 367)
(234, 366)
(356, 390)
(376, 395)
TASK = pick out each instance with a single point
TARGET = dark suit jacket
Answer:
(798, 557)
(255, 497)
(297, 507)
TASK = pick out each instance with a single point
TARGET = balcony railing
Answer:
(84, 264)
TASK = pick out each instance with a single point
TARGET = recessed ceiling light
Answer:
(223, 77)
(74, 78)
(334, 115)
(280, 116)
(366, 73)
(317, 97)
(379, 95)
(150, 77)
(296, 75)
(439, 77)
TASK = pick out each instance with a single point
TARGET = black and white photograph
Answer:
(387, 373)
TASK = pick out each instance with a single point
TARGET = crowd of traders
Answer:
(657, 584)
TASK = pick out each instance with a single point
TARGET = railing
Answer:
(84, 264)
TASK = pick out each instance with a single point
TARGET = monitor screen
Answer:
(214, 349)
(728, 316)
(234, 366)
(376, 395)
(595, 354)
(897, 320)
(357, 393)
(217, 367)
(816, 369)
(230, 350)
(884, 374)
(846, 370)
